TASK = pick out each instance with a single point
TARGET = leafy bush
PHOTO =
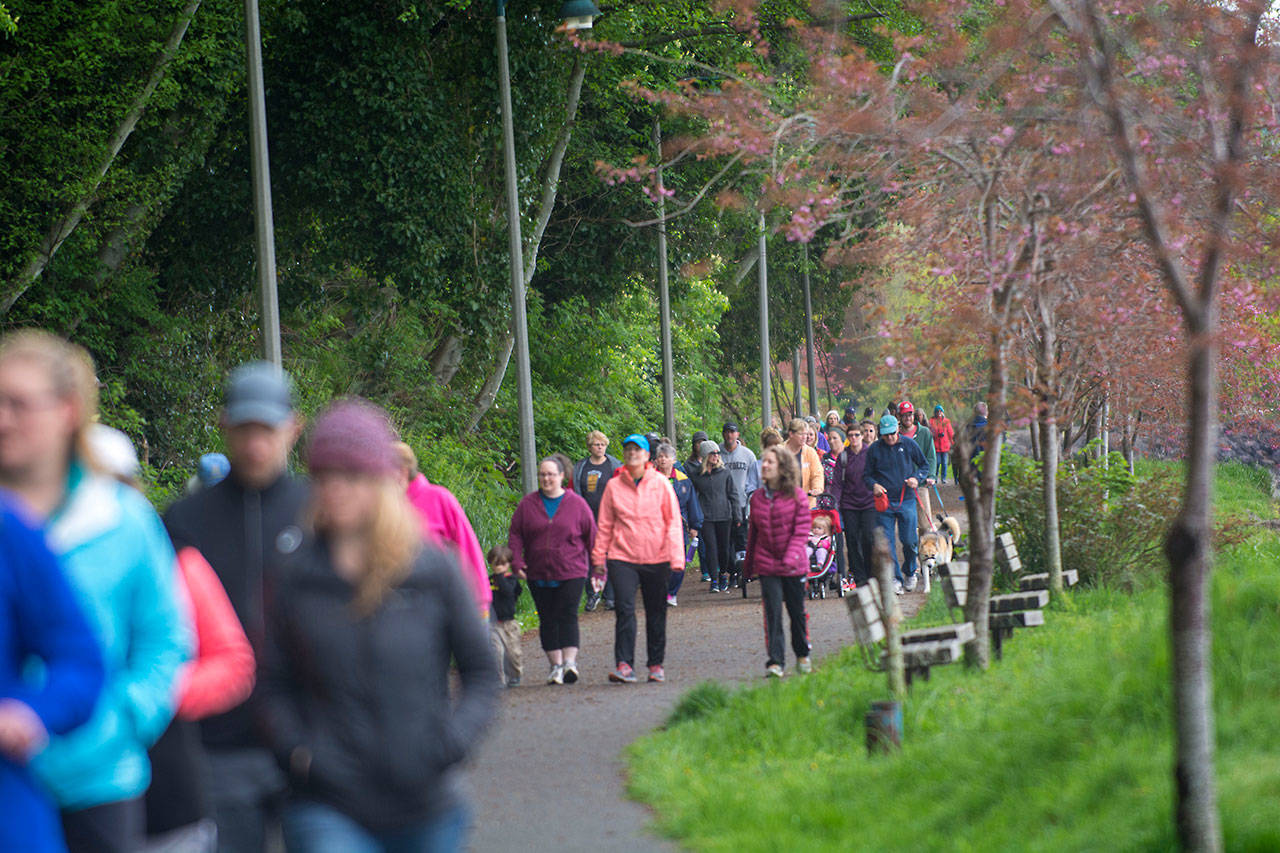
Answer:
(1112, 522)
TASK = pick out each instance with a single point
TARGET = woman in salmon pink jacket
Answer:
(640, 541)
(776, 554)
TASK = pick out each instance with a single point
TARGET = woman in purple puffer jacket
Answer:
(776, 555)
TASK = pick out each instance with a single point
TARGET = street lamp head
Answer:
(578, 14)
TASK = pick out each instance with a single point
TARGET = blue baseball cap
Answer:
(888, 425)
(638, 440)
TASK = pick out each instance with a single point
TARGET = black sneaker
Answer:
(593, 601)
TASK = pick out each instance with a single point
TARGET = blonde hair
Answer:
(798, 425)
(824, 520)
(769, 438)
(394, 535)
(69, 368)
(788, 468)
(408, 459)
(597, 435)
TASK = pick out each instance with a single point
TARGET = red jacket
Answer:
(943, 433)
(778, 535)
(221, 674)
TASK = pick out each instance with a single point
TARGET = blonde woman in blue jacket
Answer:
(120, 564)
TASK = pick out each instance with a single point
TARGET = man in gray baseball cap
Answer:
(239, 525)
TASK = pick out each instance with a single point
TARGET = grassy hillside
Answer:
(1065, 745)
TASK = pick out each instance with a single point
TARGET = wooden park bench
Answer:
(1017, 610)
(922, 648)
(1007, 554)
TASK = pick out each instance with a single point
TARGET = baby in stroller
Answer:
(822, 554)
(820, 544)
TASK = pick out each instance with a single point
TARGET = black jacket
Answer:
(235, 529)
(357, 709)
(506, 589)
(716, 495)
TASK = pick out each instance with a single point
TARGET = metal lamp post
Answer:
(264, 228)
(576, 15)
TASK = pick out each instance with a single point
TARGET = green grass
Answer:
(1064, 745)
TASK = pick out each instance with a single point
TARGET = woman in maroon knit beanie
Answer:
(364, 620)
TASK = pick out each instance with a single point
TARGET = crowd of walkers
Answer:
(308, 660)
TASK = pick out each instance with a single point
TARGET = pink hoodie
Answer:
(443, 521)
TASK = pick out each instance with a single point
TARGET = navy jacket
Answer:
(891, 465)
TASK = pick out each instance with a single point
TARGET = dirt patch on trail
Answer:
(551, 777)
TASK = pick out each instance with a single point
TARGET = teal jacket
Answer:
(121, 566)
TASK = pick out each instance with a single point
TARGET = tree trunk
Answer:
(979, 489)
(489, 393)
(1190, 553)
(1047, 382)
(1033, 433)
(550, 188)
(13, 289)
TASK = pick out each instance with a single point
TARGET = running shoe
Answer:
(897, 587)
(804, 666)
(513, 682)
(774, 671)
(624, 674)
(571, 672)
(656, 674)
(671, 601)
(593, 601)
(910, 585)
(556, 676)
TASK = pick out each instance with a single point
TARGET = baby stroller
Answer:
(820, 574)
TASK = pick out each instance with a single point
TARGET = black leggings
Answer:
(557, 608)
(652, 579)
(718, 553)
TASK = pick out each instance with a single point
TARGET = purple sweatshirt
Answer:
(849, 488)
(552, 549)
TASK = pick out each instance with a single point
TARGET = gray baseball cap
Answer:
(260, 393)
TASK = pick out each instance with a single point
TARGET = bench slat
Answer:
(1005, 539)
(961, 631)
(932, 654)
(1029, 600)
(868, 629)
(1013, 564)
(1070, 577)
(1020, 619)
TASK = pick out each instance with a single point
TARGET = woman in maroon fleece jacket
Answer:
(551, 536)
(776, 554)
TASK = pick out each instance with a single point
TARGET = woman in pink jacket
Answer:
(444, 521)
(776, 554)
(640, 541)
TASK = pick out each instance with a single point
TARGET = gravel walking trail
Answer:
(550, 777)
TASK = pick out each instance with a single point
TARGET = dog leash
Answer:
(941, 505)
(933, 525)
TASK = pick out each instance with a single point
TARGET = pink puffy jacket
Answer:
(777, 535)
(443, 521)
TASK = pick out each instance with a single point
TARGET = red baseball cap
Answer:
(905, 406)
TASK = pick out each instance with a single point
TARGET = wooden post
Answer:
(891, 616)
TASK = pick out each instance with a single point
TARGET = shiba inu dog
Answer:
(937, 546)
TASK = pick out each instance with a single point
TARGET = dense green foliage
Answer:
(1065, 745)
(390, 219)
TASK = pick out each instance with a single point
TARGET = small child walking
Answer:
(505, 631)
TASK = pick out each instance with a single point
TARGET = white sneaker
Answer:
(911, 582)
(804, 666)
(774, 671)
(671, 601)
(897, 587)
(556, 676)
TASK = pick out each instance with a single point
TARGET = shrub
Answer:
(1112, 522)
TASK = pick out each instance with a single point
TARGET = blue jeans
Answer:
(311, 827)
(904, 516)
(941, 472)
